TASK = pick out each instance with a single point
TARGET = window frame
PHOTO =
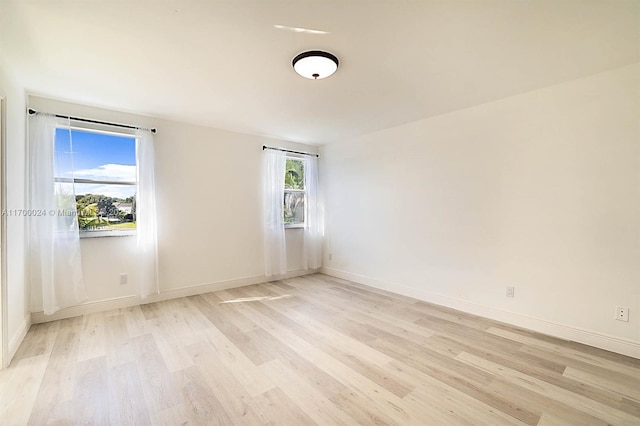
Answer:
(299, 225)
(91, 129)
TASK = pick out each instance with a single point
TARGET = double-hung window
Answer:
(102, 168)
(294, 193)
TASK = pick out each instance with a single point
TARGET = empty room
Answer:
(294, 212)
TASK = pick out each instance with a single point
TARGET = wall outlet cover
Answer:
(622, 313)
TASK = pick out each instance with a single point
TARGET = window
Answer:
(294, 193)
(102, 167)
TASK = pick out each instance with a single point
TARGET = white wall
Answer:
(209, 185)
(539, 191)
(17, 290)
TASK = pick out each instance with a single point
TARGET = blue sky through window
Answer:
(96, 156)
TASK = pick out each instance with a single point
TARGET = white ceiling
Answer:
(223, 64)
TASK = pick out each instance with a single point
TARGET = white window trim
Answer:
(112, 233)
(294, 226)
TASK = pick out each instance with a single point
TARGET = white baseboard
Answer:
(132, 300)
(18, 337)
(611, 343)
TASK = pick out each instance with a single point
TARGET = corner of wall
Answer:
(17, 316)
(16, 340)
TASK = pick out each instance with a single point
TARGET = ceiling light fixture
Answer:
(315, 64)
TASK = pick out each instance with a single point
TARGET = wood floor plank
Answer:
(358, 323)
(92, 338)
(19, 392)
(359, 383)
(278, 409)
(584, 404)
(226, 310)
(542, 405)
(237, 362)
(151, 310)
(202, 406)
(380, 375)
(118, 350)
(514, 357)
(459, 407)
(431, 362)
(58, 381)
(233, 397)
(313, 374)
(630, 406)
(126, 402)
(553, 377)
(311, 402)
(176, 415)
(468, 334)
(170, 347)
(136, 322)
(569, 361)
(624, 365)
(91, 389)
(159, 387)
(187, 316)
(478, 392)
(313, 331)
(309, 350)
(38, 341)
(631, 388)
(537, 370)
(361, 410)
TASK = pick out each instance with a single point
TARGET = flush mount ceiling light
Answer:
(315, 64)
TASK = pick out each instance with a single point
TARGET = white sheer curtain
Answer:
(313, 230)
(54, 241)
(146, 222)
(275, 256)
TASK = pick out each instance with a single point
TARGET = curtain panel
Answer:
(313, 230)
(55, 260)
(275, 256)
(146, 215)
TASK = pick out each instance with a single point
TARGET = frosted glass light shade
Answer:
(315, 64)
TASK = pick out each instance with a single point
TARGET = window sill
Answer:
(102, 234)
(294, 226)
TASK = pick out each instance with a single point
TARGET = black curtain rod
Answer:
(288, 150)
(86, 120)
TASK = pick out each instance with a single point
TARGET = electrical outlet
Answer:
(510, 291)
(622, 313)
(124, 278)
(330, 256)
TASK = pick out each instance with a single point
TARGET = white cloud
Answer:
(112, 172)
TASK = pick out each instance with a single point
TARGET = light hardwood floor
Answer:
(314, 349)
